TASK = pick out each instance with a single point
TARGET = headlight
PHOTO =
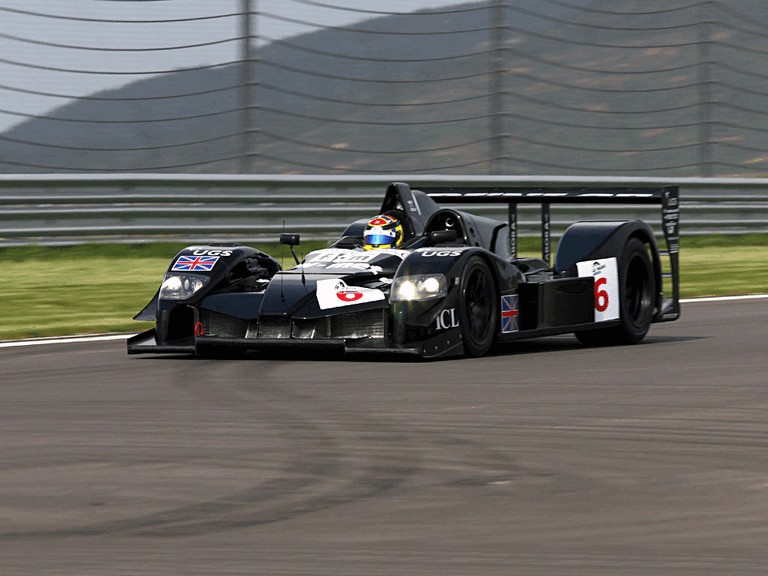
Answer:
(422, 287)
(181, 286)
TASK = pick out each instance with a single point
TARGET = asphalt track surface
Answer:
(544, 458)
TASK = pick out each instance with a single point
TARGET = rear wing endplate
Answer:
(665, 196)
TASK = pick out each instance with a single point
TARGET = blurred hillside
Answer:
(512, 87)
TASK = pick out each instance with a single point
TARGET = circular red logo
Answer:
(349, 295)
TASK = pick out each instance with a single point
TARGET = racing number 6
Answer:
(601, 295)
(606, 286)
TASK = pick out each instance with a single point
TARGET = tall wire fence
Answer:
(664, 87)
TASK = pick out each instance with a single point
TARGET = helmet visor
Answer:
(380, 237)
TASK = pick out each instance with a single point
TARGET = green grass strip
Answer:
(87, 289)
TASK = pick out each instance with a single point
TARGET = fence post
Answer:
(246, 96)
(705, 92)
(496, 116)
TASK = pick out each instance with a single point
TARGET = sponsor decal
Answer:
(337, 259)
(335, 255)
(541, 195)
(334, 293)
(510, 313)
(447, 319)
(402, 254)
(672, 201)
(606, 275)
(212, 252)
(439, 253)
(195, 263)
(355, 266)
(341, 266)
(339, 256)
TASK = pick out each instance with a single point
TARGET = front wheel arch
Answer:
(478, 306)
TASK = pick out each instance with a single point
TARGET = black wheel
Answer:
(636, 293)
(479, 307)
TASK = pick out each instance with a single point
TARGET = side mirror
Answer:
(290, 239)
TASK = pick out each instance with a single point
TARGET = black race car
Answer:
(454, 287)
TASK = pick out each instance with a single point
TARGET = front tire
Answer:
(479, 307)
(636, 291)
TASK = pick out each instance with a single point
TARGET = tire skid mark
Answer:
(331, 471)
(321, 470)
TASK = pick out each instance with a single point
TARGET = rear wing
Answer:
(665, 196)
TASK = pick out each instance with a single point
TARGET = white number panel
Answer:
(606, 275)
(334, 293)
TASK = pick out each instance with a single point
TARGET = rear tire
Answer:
(478, 308)
(636, 291)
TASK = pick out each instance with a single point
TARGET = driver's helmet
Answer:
(383, 231)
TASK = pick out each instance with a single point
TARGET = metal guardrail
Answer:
(63, 208)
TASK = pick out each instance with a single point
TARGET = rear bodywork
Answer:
(458, 274)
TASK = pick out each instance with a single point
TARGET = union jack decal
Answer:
(195, 263)
(509, 314)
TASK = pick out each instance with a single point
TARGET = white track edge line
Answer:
(723, 298)
(62, 340)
